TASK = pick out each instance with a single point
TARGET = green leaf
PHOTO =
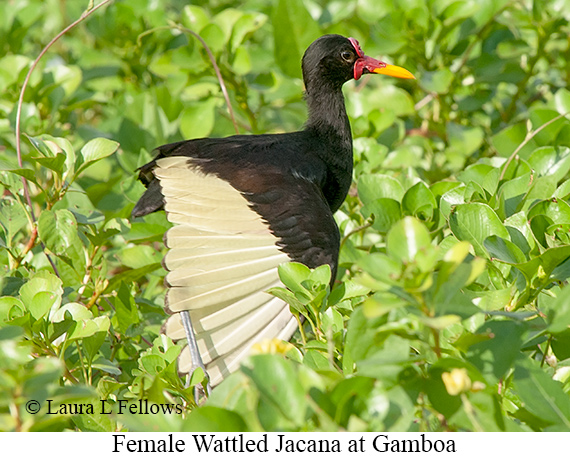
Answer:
(214, 37)
(407, 238)
(512, 194)
(137, 256)
(12, 218)
(293, 30)
(441, 187)
(558, 211)
(503, 249)
(130, 276)
(557, 311)
(495, 356)
(245, 25)
(194, 17)
(450, 199)
(95, 421)
(562, 100)
(437, 81)
(435, 388)
(288, 297)
(544, 264)
(345, 291)
(474, 222)
(160, 422)
(292, 274)
(381, 303)
(520, 232)
(91, 345)
(26, 173)
(563, 191)
(373, 187)
(152, 363)
(235, 395)
(279, 386)
(241, 63)
(316, 360)
(491, 300)
(463, 140)
(561, 345)
(419, 201)
(6, 304)
(321, 275)
(226, 20)
(95, 150)
(50, 288)
(214, 419)
(388, 362)
(53, 163)
(386, 212)
(381, 267)
(440, 322)
(197, 120)
(539, 118)
(508, 139)
(475, 173)
(42, 303)
(126, 311)
(448, 296)
(87, 328)
(76, 310)
(550, 161)
(543, 189)
(58, 230)
(541, 395)
(486, 414)
(360, 339)
(348, 396)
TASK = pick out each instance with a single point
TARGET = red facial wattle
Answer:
(365, 64)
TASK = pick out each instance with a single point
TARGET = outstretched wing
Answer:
(230, 234)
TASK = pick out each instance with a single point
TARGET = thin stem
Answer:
(301, 329)
(82, 362)
(87, 276)
(356, 230)
(529, 136)
(546, 349)
(436, 343)
(217, 70)
(90, 10)
(29, 245)
(424, 101)
(212, 60)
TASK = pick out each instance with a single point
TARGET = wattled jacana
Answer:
(242, 205)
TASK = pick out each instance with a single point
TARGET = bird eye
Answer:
(346, 56)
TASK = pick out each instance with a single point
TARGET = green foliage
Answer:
(451, 307)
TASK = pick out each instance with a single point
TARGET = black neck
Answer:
(329, 123)
(327, 114)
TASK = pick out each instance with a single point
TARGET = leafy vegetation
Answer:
(451, 310)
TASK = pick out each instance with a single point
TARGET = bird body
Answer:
(244, 204)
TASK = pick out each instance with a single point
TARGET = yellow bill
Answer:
(393, 70)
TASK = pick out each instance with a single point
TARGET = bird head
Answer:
(336, 59)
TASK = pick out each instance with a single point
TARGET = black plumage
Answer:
(293, 181)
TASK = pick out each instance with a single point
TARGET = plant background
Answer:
(451, 309)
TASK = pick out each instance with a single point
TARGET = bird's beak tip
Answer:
(394, 71)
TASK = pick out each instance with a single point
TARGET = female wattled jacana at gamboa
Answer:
(244, 204)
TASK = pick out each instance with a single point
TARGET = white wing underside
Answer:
(222, 258)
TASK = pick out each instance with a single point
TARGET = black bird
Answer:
(244, 204)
